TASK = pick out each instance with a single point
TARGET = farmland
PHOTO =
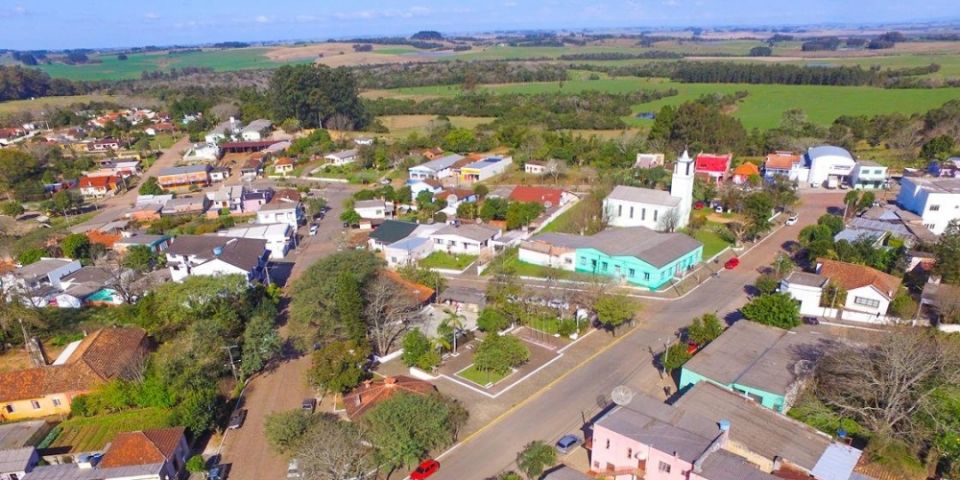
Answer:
(763, 107)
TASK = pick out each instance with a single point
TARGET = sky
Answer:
(54, 24)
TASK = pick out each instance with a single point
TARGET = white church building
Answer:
(654, 209)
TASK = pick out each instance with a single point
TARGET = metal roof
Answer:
(643, 195)
(655, 248)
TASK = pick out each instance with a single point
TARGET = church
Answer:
(654, 209)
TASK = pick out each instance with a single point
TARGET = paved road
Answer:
(561, 407)
(283, 387)
(111, 208)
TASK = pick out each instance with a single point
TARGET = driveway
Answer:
(583, 391)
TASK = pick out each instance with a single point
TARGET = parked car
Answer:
(718, 209)
(313, 229)
(215, 473)
(309, 404)
(792, 219)
(698, 206)
(427, 468)
(236, 420)
(385, 181)
(732, 263)
(692, 347)
(811, 320)
(293, 469)
(567, 443)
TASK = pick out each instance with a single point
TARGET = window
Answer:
(629, 453)
(631, 212)
(608, 443)
(934, 208)
(568, 260)
(603, 266)
(56, 402)
(867, 302)
(438, 241)
(619, 210)
(655, 212)
(583, 261)
(35, 404)
(664, 467)
(8, 408)
(633, 272)
(646, 275)
(643, 214)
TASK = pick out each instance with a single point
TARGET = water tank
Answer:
(217, 251)
(724, 425)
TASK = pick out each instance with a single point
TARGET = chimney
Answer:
(717, 444)
(777, 463)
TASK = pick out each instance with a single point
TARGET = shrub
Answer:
(567, 327)
(196, 464)
(500, 353)
(491, 320)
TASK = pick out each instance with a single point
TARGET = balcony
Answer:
(639, 471)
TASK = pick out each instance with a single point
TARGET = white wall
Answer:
(936, 209)
(398, 257)
(868, 294)
(457, 244)
(618, 214)
(809, 297)
(372, 212)
(565, 261)
(825, 166)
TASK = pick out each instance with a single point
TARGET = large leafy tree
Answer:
(332, 449)
(315, 95)
(406, 427)
(261, 341)
(777, 310)
(705, 329)
(499, 353)
(76, 245)
(614, 310)
(285, 430)
(948, 254)
(338, 366)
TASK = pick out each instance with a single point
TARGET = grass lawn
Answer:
(763, 108)
(85, 434)
(565, 222)
(712, 243)
(510, 260)
(480, 377)
(451, 261)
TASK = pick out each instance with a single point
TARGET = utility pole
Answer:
(233, 364)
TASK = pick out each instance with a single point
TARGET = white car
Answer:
(313, 229)
(792, 220)
(718, 209)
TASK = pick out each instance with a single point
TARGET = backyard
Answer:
(712, 242)
(87, 434)
(448, 261)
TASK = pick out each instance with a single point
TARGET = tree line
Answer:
(18, 83)
(456, 73)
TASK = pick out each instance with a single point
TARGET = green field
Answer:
(451, 261)
(712, 243)
(111, 68)
(763, 108)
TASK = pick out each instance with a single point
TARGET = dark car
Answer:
(567, 443)
(811, 320)
(215, 473)
(425, 470)
(309, 404)
(236, 420)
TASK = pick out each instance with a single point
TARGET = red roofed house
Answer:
(868, 290)
(370, 394)
(713, 165)
(744, 171)
(421, 292)
(104, 355)
(283, 166)
(99, 186)
(548, 197)
(164, 447)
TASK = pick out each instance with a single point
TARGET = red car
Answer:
(426, 469)
(698, 206)
(732, 263)
(692, 348)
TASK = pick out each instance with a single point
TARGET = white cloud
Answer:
(19, 9)
(151, 15)
(411, 12)
(262, 19)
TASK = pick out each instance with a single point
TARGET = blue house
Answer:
(634, 255)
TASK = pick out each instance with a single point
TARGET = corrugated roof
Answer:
(472, 231)
(643, 195)
(655, 248)
(441, 163)
(15, 460)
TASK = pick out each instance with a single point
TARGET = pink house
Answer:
(253, 200)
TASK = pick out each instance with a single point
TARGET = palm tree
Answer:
(850, 201)
(450, 326)
(536, 457)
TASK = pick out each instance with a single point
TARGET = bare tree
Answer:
(389, 313)
(885, 385)
(340, 123)
(670, 220)
(556, 169)
(334, 450)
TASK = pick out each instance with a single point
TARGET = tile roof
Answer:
(782, 160)
(369, 394)
(283, 161)
(746, 169)
(655, 248)
(142, 448)
(103, 355)
(643, 195)
(851, 276)
(287, 195)
(422, 292)
(711, 162)
(105, 181)
(541, 195)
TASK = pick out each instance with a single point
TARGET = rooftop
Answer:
(827, 150)
(440, 163)
(23, 434)
(782, 160)
(373, 203)
(655, 248)
(343, 154)
(41, 268)
(70, 471)
(464, 295)
(643, 195)
(472, 231)
(541, 195)
(16, 460)
(806, 279)
(142, 448)
(242, 253)
(758, 356)
(938, 184)
(851, 276)
(485, 163)
(393, 231)
(184, 170)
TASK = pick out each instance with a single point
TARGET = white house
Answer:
(935, 200)
(654, 209)
(868, 175)
(223, 131)
(648, 160)
(229, 197)
(363, 141)
(280, 237)
(806, 288)
(290, 213)
(437, 169)
(341, 158)
(468, 238)
(407, 251)
(42, 273)
(373, 209)
(256, 130)
(202, 152)
(786, 164)
(429, 185)
(535, 168)
(212, 255)
(548, 254)
(869, 291)
(828, 164)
